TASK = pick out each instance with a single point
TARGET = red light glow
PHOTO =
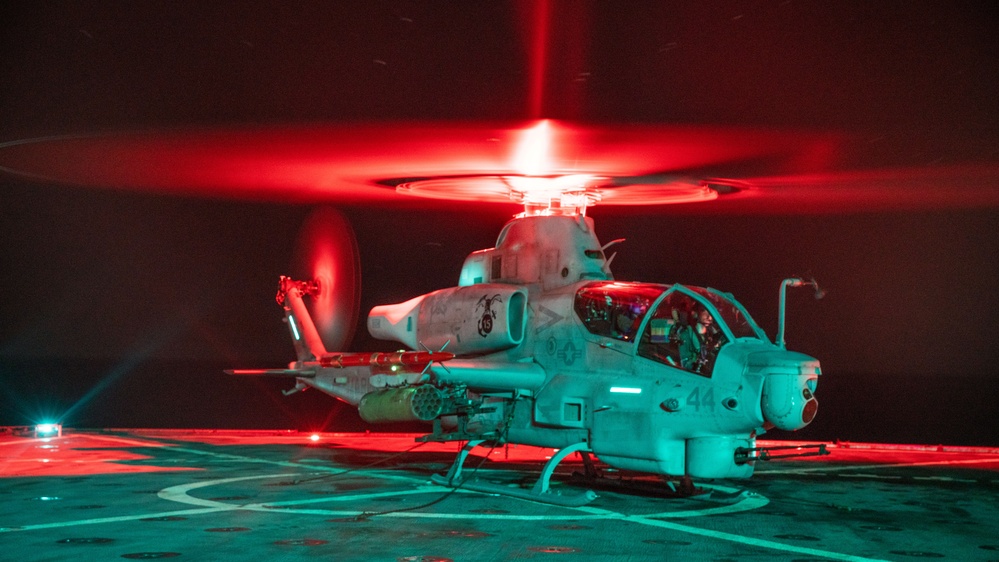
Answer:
(75, 455)
(532, 158)
(88, 454)
(647, 165)
(345, 163)
(538, 52)
(327, 253)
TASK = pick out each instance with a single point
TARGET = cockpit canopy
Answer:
(685, 328)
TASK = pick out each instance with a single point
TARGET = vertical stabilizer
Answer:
(308, 345)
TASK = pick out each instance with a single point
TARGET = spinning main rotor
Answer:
(548, 167)
(546, 192)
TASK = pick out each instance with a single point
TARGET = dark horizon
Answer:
(106, 289)
(149, 333)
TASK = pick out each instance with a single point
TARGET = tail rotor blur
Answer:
(326, 252)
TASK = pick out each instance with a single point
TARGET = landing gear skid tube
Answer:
(541, 492)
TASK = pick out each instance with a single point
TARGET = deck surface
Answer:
(228, 495)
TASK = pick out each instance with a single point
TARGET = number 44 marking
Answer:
(696, 399)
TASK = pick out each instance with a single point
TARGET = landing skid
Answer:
(541, 492)
(674, 487)
(682, 488)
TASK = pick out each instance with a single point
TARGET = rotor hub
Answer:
(555, 194)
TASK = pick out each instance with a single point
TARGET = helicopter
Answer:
(531, 345)
(539, 344)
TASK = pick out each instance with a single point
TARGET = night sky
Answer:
(121, 308)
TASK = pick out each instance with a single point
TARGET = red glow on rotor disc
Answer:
(774, 171)
(344, 163)
(327, 253)
(900, 189)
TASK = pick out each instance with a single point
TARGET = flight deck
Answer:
(256, 495)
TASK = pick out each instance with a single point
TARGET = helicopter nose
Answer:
(788, 399)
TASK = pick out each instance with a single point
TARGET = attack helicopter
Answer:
(539, 344)
(533, 344)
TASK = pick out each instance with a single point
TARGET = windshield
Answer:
(684, 332)
(732, 313)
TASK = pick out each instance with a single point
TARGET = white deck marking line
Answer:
(875, 466)
(496, 516)
(133, 442)
(945, 479)
(731, 537)
(22, 441)
(739, 506)
(291, 464)
(345, 498)
(207, 506)
(748, 503)
(751, 541)
(181, 494)
(56, 461)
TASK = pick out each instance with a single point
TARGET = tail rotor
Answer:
(326, 254)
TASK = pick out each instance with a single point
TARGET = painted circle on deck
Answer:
(181, 494)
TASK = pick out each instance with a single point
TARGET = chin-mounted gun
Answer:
(748, 454)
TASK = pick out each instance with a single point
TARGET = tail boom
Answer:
(308, 344)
